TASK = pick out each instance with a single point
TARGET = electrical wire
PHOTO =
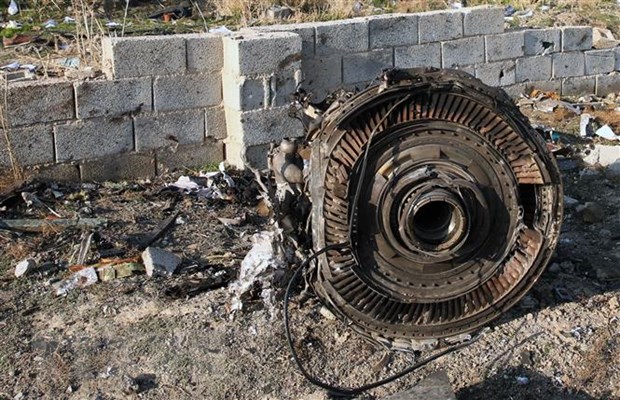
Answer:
(338, 390)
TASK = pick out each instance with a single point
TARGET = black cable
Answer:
(338, 390)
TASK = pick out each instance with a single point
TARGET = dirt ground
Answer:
(177, 337)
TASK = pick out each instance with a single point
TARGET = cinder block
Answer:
(204, 52)
(578, 86)
(37, 102)
(542, 41)
(67, 172)
(215, 119)
(238, 155)
(132, 57)
(617, 51)
(501, 73)
(282, 86)
(464, 51)
(189, 157)
(179, 92)
(424, 55)
(252, 128)
(504, 46)
(538, 68)
(568, 64)
(436, 26)
(305, 30)
(169, 129)
(393, 30)
(93, 138)
(600, 61)
(322, 75)
(118, 167)
(261, 53)
(576, 38)
(244, 94)
(364, 67)
(515, 91)
(342, 36)
(606, 84)
(483, 20)
(113, 98)
(31, 145)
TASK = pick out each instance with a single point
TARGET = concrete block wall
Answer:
(159, 108)
(171, 101)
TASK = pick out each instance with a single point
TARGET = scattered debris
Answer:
(222, 30)
(327, 314)
(183, 10)
(585, 126)
(24, 267)
(279, 12)
(13, 8)
(154, 235)
(159, 262)
(607, 133)
(590, 212)
(82, 278)
(258, 266)
(42, 225)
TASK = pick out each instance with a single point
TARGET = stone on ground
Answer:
(160, 262)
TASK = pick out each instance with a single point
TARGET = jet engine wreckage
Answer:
(435, 206)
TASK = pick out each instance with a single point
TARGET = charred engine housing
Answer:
(449, 201)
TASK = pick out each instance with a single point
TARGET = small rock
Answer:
(24, 266)
(527, 358)
(567, 266)
(554, 268)
(106, 273)
(569, 202)
(591, 212)
(130, 385)
(613, 171)
(613, 303)
(127, 269)
(522, 380)
(528, 302)
(279, 12)
(589, 173)
(160, 262)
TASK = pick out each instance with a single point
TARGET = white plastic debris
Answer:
(259, 265)
(13, 25)
(69, 20)
(13, 8)
(24, 266)
(113, 24)
(82, 278)
(50, 23)
(607, 133)
(457, 5)
(222, 30)
(585, 126)
(211, 189)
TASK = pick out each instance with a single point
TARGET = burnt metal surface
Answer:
(451, 213)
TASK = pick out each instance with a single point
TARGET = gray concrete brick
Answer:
(143, 56)
(118, 167)
(282, 86)
(245, 94)
(424, 55)
(538, 68)
(215, 120)
(30, 146)
(542, 41)
(322, 74)
(37, 102)
(600, 61)
(189, 157)
(364, 67)
(342, 36)
(261, 53)
(578, 86)
(464, 51)
(606, 84)
(93, 138)
(169, 129)
(393, 30)
(436, 26)
(502, 73)
(576, 38)
(504, 46)
(483, 20)
(305, 30)
(261, 126)
(568, 64)
(179, 92)
(66, 172)
(204, 52)
(238, 154)
(113, 98)
(617, 51)
(515, 91)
